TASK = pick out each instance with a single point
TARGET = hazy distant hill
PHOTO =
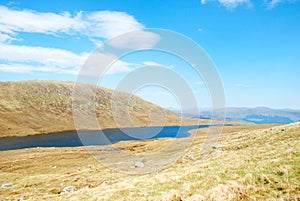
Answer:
(258, 115)
(34, 107)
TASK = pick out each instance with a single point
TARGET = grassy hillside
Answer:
(36, 107)
(250, 162)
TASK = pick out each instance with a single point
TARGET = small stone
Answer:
(191, 156)
(267, 144)
(139, 165)
(155, 170)
(85, 188)
(106, 182)
(283, 129)
(217, 152)
(6, 185)
(69, 189)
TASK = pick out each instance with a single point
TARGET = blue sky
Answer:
(254, 44)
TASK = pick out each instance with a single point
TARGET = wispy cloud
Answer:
(231, 4)
(5, 38)
(97, 26)
(25, 59)
(136, 40)
(28, 69)
(100, 24)
(274, 3)
(199, 83)
(28, 59)
(234, 3)
(152, 63)
(45, 56)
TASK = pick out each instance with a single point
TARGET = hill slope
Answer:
(36, 107)
(250, 162)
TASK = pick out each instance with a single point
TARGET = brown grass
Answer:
(249, 163)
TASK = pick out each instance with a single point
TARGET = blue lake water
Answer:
(71, 138)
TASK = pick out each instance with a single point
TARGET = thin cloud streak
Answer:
(230, 4)
(100, 24)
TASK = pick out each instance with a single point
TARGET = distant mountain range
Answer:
(257, 115)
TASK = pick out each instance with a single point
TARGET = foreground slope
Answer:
(37, 107)
(250, 162)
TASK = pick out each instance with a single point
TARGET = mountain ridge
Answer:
(256, 115)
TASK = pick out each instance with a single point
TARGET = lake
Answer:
(71, 138)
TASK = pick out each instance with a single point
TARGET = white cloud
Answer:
(152, 63)
(108, 24)
(41, 56)
(4, 38)
(23, 68)
(100, 24)
(100, 64)
(273, 3)
(200, 83)
(13, 21)
(231, 4)
(234, 3)
(120, 66)
(24, 59)
(96, 25)
(135, 40)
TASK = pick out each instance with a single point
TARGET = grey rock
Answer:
(139, 165)
(6, 185)
(69, 189)
(267, 144)
(217, 152)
